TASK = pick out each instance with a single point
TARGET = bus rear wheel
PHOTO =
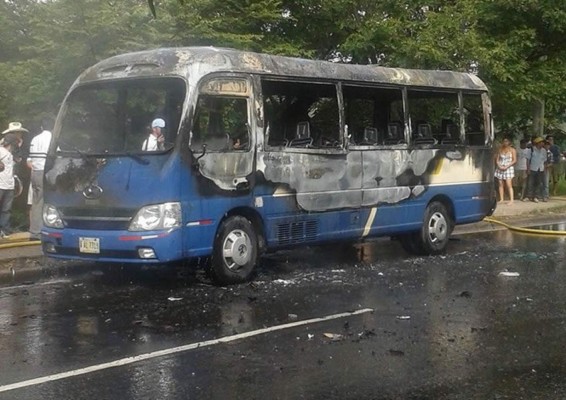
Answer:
(235, 251)
(434, 235)
(436, 230)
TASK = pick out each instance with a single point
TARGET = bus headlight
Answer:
(156, 217)
(51, 217)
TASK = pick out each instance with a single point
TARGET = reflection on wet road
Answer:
(445, 327)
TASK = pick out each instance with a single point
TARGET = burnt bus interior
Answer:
(307, 115)
(300, 114)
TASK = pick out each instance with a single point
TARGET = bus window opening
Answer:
(221, 123)
(116, 118)
(435, 117)
(374, 115)
(474, 119)
(301, 114)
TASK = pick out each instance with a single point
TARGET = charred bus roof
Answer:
(200, 61)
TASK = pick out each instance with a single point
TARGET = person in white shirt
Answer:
(521, 175)
(36, 161)
(9, 143)
(155, 140)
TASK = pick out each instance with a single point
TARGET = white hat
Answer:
(158, 123)
(15, 127)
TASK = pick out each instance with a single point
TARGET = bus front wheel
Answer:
(235, 251)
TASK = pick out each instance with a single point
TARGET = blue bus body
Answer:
(291, 193)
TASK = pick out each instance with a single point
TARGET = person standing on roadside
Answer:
(17, 130)
(521, 175)
(547, 171)
(535, 168)
(36, 162)
(554, 167)
(505, 159)
(10, 143)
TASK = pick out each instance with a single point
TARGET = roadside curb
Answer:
(23, 266)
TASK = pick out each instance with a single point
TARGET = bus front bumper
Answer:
(113, 246)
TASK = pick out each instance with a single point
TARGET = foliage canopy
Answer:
(516, 46)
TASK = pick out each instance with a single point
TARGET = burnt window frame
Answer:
(487, 117)
(458, 93)
(342, 148)
(249, 98)
(404, 143)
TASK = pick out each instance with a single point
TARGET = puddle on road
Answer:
(558, 227)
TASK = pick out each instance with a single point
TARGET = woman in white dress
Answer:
(505, 158)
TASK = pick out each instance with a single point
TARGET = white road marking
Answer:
(32, 285)
(175, 350)
(369, 222)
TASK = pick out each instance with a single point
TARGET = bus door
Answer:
(221, 136)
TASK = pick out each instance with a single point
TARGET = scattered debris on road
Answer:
(509, 274)
(335, 337)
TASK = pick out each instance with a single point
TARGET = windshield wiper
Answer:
(75, 149)
(136, 157)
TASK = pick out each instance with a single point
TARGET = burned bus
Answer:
(258, 153)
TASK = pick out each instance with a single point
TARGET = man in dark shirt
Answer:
(554, 168)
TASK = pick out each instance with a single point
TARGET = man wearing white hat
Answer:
(18, 130)
(15, 127)
(155, 140)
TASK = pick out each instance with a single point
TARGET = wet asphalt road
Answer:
(445, 327)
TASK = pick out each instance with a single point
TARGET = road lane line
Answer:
(32, 285)
(175, 350)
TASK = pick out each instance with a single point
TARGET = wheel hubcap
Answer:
(236, 249)
(437, 228)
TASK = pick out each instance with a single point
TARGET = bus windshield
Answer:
(122, 117)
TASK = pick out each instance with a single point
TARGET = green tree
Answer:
(53, 41)
(525, 48)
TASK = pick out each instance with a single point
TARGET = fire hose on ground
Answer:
(531, 231)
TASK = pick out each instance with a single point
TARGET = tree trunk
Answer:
(538, 118)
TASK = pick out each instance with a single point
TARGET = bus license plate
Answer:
(89, 245)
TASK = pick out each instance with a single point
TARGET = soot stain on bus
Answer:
(321, 183)
(73, 175)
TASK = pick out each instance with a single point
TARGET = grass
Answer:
(561, 191)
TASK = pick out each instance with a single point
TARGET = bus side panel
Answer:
(204, 208)
(462, 178)
(311, 228)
